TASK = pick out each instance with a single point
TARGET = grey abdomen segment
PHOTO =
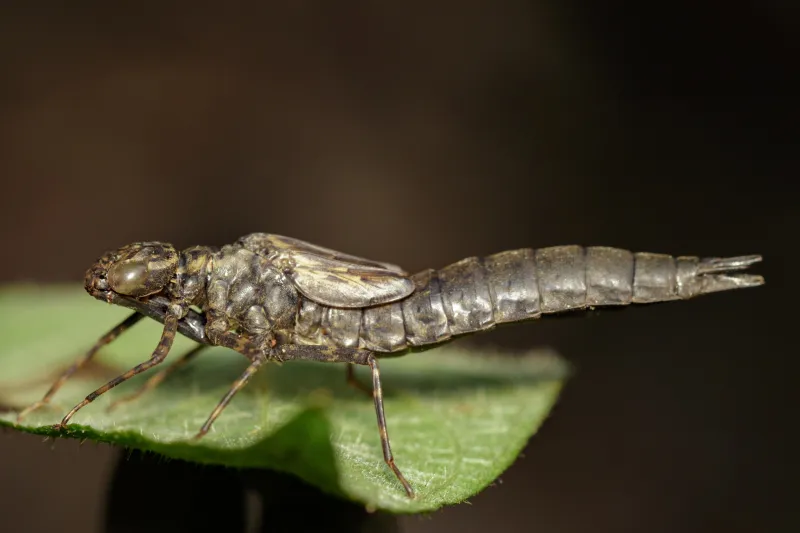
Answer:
(475, 294)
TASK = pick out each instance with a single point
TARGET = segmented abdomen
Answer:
(475, 294)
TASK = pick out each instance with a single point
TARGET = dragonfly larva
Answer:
(275, 298)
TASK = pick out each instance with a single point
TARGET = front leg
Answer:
(106, 339)
(327, 354)
(159, 354)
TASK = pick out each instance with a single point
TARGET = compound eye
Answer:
(129, 278)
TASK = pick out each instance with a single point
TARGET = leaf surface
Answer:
(457, 417)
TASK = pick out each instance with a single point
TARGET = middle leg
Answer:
(249, 346)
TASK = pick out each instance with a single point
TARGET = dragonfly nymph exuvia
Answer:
(275, 298)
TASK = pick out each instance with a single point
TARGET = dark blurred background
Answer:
(421, 133)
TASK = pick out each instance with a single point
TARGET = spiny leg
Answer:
(161, 351)
(154, 381)
(103, 341)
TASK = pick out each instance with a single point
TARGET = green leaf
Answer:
(457, 419)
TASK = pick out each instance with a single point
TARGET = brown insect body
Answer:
(271, 297)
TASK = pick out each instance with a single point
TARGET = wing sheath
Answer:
(330, 277)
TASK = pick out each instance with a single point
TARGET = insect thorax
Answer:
(248, 291)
